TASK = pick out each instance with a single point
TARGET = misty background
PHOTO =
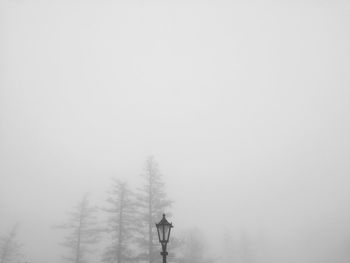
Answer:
(244, 105)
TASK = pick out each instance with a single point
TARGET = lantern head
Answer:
(163, 229)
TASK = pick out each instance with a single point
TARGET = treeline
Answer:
(129, 230)
(127, 233)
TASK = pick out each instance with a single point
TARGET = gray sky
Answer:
(245, 105)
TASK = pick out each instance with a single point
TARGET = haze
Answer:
(244, 105)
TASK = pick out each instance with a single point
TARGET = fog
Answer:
(244, 105)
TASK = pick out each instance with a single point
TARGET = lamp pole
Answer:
(163, 229)
(164, 253)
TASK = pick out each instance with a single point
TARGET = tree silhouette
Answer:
(193, 248)
(9, 247)
(83, 231)
(152, 202)
(121, 218)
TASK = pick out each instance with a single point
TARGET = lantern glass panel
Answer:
(160, 234)
(166, 233)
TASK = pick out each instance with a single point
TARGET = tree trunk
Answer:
(150, 240)
(120, 234)
(77, 256)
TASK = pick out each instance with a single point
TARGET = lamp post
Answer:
(163, 229)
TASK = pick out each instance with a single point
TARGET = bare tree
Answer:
(83, 231)
(229, 247)
(246, 249)
(121, 219)
(193, 248)
(9, 247)
(152, 202)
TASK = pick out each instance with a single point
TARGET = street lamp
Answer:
(163, 228)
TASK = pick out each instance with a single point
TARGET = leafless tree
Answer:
(121, 220)
(9, 247)
(246, 249)
(83, 231)
(152, 202)
(193, 248)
